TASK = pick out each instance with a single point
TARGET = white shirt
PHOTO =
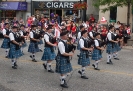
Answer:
(81, 43)
(31, 34)
(79, 35)
(11, 36)
(91, 34)
(46, 37)
(21, 33)
(4, 31)
(96, 42)
(109, 36)
(61, 47)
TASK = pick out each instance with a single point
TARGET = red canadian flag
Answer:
(103, 19)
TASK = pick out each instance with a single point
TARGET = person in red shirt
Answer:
(92, 19)
(30, 21)
(104, 32)
(73, 29)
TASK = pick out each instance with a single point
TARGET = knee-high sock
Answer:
(96, 63)
(33, 56)
(6, 52)
(49, 66)
(13, 61)
(109, 57)
(62, 79)
(82, 71)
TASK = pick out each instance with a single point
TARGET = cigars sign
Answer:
(53, 4)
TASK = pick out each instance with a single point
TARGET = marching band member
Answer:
(110, 44)
(63, 65)
(34, 39)
(15, 44)
(84, 60)
(49, 53)
(97, 52)
(116, 45)
(6, 41)
(23, 36)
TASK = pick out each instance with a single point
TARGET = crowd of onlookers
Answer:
(69, 24)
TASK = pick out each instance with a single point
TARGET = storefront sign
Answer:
(53, 4)
(13, 5)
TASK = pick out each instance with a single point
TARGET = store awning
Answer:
(13, 5)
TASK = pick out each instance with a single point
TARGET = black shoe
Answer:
(96, 69)
(51, 71)
(111, 61)
(15, 64)
(93, 65)
(6, 56)
(84, 77)
(116, 58)
(34, 60)
(80, 72)
(44, 65)
(78, 55)
(30, 56)
(108, 63)
(40, 50)
(64, 85)
(65, 82)
(14, 67)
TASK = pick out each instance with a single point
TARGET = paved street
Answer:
(31, 76)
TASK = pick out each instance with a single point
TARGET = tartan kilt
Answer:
(83, 59)
(48, 54)
(110, 48)
(62, 65)
(24, 45)
(13, 53)
(96, 55)
(6, 43)
(33, 47)
(40, 42)
(117, 47)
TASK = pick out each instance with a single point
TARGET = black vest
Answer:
(116, 37)
(112, 37)
(100, 43)
(66, 49)
(94, 34)
(35, 36)
(50, 40)
(7, 31)
(87, 43)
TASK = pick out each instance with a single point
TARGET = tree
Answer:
(115, 3)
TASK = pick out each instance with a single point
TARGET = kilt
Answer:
(33, 47)
(110, 48)
(96, 55)
(62, 65)
(83, 59)
(117, 47)
(5, 43)
(40, 42)
(13, 53)
(48, 54)
(24, 45)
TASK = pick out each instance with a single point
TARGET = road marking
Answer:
(76, 67)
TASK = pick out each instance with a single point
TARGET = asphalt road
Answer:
(31, 76)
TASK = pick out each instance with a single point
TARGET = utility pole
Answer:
(84, 13)
(128, 11)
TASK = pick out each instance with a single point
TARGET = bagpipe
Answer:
(71, 46)
(19, 39)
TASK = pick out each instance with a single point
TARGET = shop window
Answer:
(113, 13)
(10, 14)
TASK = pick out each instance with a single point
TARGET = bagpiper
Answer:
(84, 59)
(15, 45)
(110, 44)
(63, 65)
(49, 54)
(33, 46)
(97, 52)
(6, 41)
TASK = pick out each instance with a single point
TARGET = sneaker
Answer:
(84, 77)
(44, 65)
(96, 68)
(6, 56)
(51, 71)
